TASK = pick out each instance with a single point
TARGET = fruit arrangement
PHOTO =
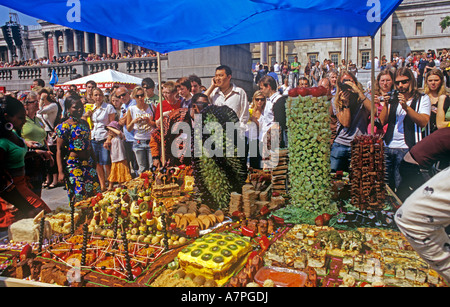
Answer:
(309, 152)
(316, 91)
(218, 169)
(137, 213)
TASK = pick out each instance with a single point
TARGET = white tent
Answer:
(104, 79)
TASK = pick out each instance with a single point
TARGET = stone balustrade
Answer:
(21, 77)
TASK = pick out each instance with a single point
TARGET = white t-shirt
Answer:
(398, 138)
(100, 119)
(141, 131)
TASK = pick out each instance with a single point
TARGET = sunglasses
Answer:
(31, 101)
(140, 96)
(121, 96)
(260, 99)
(402, 82)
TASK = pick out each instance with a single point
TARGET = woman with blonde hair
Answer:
(383, 86)
(140, 120)
(435, 89)
(256, 110)
(102, 114)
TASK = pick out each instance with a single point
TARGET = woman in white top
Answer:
(50, 114)
(140, 119)
(102, 114)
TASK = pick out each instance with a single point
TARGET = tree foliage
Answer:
(445, 22)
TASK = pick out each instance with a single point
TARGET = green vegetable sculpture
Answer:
(309, 135)
(216, 176)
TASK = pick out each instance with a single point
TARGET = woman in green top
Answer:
(12, 154)
(35, 136)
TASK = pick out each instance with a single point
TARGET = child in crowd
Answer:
(120, 170)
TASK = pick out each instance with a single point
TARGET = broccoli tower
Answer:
(309, 137)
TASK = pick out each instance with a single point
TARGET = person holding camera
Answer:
(352, 109)
(381, 92)
(406, 113)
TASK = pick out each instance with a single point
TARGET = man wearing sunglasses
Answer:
(406, 116)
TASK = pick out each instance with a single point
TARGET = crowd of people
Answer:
(127, 54)
(419, 62)
(93, 141)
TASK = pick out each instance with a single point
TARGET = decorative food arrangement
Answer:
(215, 223)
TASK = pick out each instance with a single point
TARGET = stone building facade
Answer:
(49, 40)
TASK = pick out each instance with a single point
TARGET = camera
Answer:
(343, 86)
(393, 96)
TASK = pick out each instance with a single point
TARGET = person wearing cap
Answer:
(120, 170)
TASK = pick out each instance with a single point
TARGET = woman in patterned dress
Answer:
(75, 158)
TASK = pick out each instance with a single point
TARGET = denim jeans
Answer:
(295, 76)
(393, 158)
(340, 157)
(102, 154)
(143, 155)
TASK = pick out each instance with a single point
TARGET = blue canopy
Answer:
(164, 26)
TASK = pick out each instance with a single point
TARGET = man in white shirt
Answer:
(405, 116)
(223, 92)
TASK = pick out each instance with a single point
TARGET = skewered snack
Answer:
(368, 191)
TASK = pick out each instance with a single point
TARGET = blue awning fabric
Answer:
(166, 26)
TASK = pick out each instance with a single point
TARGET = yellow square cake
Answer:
(215, 255)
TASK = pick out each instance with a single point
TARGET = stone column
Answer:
(108, 45)
(98, 47)
(76, 41)
(121, 47)
(344, 50)
(86, 42)
(65, 41)
(354, 55)
(10, 55)
(55, 44)
(278, 55)
(45, 35)
(387, 41)
(263, 53)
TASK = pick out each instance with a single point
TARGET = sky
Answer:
(24, 20)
